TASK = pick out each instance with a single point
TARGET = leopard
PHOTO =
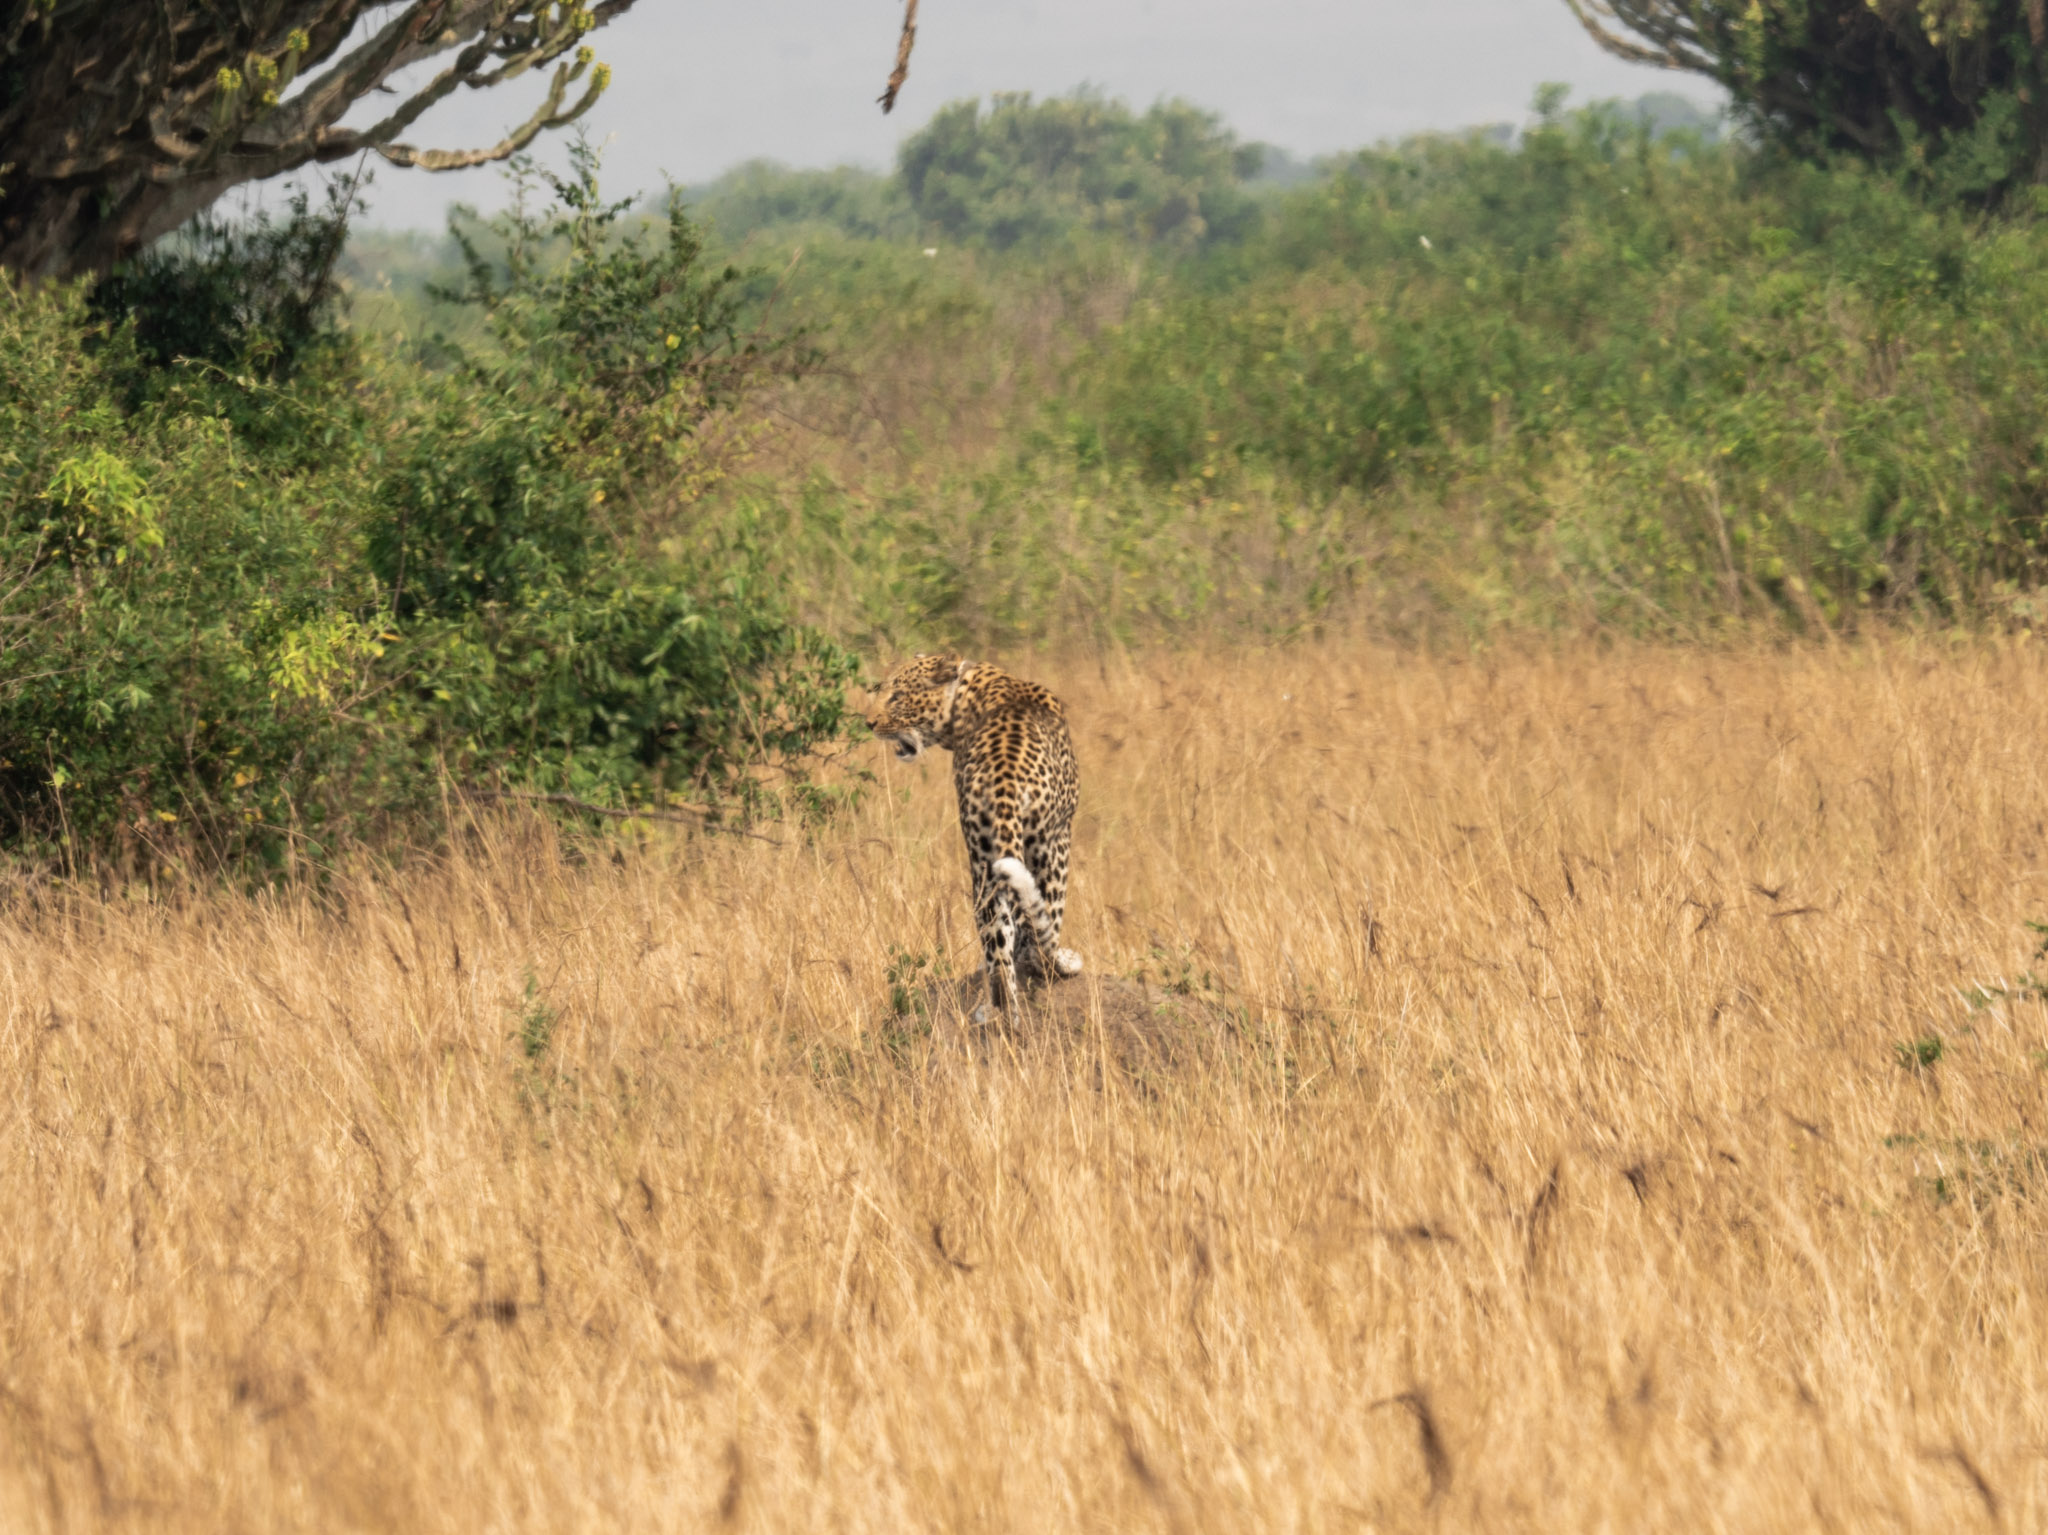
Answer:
(1018, 787)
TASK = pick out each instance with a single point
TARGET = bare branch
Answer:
(1593, 16)
(548, 116)
(462, 72)
(903, 46)
(1670, 37)
(394, 46)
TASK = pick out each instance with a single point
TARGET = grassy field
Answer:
(1609, 1096)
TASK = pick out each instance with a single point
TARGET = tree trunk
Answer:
(62, 229)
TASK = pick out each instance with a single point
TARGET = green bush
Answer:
(258, 610)
(1709, 378)
(256, 296)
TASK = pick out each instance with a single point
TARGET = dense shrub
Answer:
(256, 608)
(1707, 374)
(256, 296)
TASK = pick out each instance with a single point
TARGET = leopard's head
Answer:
(917, 705)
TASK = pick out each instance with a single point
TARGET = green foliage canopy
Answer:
(1024, 172)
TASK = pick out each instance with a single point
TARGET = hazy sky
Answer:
(699, 87)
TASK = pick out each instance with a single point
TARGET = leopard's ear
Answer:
(947, 670)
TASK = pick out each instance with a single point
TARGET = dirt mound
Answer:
(1144, 1028)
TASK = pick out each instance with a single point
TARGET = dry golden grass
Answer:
(1546, 1163)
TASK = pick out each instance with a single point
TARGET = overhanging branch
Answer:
(1659, 32)
(548, 116)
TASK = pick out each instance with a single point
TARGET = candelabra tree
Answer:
(120, 119)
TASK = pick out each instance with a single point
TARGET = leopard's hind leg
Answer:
(1043, 897)
(995, 919)
(1056, 852)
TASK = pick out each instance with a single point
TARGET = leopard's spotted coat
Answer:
(1013, 770)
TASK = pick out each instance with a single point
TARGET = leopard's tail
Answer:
(1013, 873)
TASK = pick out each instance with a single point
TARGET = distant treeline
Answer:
(1017, 172)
